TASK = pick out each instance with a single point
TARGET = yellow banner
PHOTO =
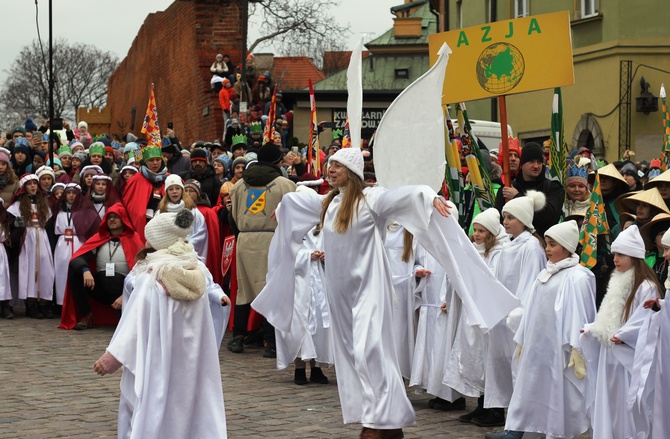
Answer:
(506, 57)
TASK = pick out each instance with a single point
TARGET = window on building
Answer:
(401, 73)
(459, 10)
(589, 8)
(521, 8)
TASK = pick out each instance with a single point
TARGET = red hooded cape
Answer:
(131, 244)
(214, 244)
(136, 196)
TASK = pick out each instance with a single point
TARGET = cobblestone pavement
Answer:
(49, 390)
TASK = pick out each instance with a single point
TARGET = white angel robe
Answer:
(36, 264)
(100, 208)
(404, 303)
(171, 382)
(435, 331)
(359, 290)
(609, 375)
(220, 313)
(519, 263)
(5, 287)
(465, 366)
(310, 336)
(68, 243)
(547, 397)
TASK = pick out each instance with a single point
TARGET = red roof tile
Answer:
(294, 72)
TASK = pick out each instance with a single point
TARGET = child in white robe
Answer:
(519, 263)
(5, 288)
(608, 344)
(165, 341)
(465, 367)
(549, 388)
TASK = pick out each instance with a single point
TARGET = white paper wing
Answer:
(355, 94)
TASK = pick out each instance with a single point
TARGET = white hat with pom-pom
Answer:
(524, 208)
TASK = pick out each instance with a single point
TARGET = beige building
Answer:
(615, 44)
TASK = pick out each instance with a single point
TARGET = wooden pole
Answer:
(505, 141)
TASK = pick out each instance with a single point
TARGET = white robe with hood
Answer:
(64, 251)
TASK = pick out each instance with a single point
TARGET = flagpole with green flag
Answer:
(483, 188)
(595, 223)
(558, 148)
(665, 153)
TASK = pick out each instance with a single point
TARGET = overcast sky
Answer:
(112, 24)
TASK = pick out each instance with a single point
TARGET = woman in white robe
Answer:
(5, 286)
(310, 335)
(399, 243)
(165, 341)
(519, 263)
(549, 388)
(609, 343)
(36, 273)
(176, 199)
(359, 283)
(464, 370)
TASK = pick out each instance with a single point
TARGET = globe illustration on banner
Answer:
(500, 68)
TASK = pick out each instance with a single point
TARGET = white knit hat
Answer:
(352, 158)
(165, 229)
(91, 169)
(489, 219)
(665, 240)
(45, 170)
(566, 234)
(629, 243)
(524, 208)
(174, 179)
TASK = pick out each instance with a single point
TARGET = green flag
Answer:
(558, 148)
(595, 223)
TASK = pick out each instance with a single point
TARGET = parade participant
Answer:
(76, 220)
(213, 259)
(652, 234)
(514, 154)
(126, 172)
(9, 182)
(239, 165)
(465, 371)
(145, 189)
(548, 396)
(56, 192)
(175, 162)
(352, 218)
(6, 310)
(60, 175)
(96, 156)
(609, 343)
(253, 199)
(65, 156)
(21, 159)
(662, 183)
(97, 271)
(78, 158)
(221, 166)
(519, 263)
(179, 360)
(577, 192)
(103, 194)
(531, 176)
(28, 216)
(644, 204)
(202, 171)
(176, 199)
(630, 173)
(46, 178)
(86, 178)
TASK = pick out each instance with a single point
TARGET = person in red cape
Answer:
(145, 189)
(79, 311)
(213, 262)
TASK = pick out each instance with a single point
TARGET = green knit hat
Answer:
(151, 152)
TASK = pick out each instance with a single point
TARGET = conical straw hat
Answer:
(611, 171)
(663, 178)
(646, 230)
(618, 203)
(651, 196)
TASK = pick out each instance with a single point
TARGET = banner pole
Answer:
(505, 140)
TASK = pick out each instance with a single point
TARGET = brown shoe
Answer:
(85, 323)
(371, 433)
(396, 433)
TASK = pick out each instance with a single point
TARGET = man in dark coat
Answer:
(176, 163)
(531, 176)
(202, 171)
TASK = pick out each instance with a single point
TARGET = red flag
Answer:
(150, 125)
(272, 115)
(346, 134)
(313, 152)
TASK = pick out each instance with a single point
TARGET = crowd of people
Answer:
(336, 271)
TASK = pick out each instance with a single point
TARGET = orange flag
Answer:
(150, 125)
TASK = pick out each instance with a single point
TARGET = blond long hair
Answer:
(351, 199)
(188, 203)
(643, 272)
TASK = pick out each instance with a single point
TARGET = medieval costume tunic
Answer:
(404, 302)
(435, 330)
(609, 366)
(465, 367)
(36, 264)
(5, 287)
(547, 397)
(310, 335)
(68, 243)
(360, 288)
(519, 263)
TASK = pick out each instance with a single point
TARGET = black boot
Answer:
(6, 310)
(492, 418)
(236, 345)
(446, 406)
(300, 377)
(46, 308)
(479, 411)
(33, 310)
(317, 376)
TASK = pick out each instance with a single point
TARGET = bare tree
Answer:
(299, 27)
(80, 70)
